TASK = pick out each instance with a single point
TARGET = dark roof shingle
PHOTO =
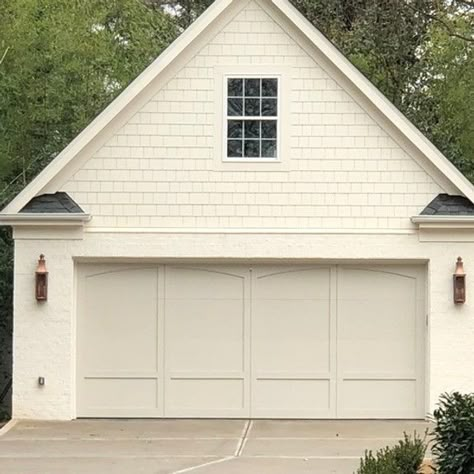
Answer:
(446, 205)
(59, 203)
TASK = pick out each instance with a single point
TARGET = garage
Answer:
(259, 341)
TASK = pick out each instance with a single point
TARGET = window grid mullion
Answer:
(257, 118)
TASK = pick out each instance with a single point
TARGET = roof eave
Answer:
(444, 222)
(46, 219)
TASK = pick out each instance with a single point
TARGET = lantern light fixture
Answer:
(41, 280)
(459, 281)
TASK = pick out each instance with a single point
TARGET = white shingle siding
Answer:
(344, 171)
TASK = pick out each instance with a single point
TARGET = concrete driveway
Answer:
(194, 446)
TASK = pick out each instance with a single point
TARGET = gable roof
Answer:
(327, 49)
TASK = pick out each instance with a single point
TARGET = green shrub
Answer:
(453, 448)
(404, 458)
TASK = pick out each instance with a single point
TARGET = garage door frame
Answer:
(159, 266)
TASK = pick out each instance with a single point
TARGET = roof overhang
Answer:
(44, 220)
(444, 222)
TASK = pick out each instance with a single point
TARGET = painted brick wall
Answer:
(45, 343)
(344, 170)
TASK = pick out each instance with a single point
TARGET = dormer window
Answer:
(252, 118)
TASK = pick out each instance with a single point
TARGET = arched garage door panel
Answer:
(292, 348)
(118, 357)
(205, 350)
(380, 343)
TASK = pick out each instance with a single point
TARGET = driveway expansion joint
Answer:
(243, 440)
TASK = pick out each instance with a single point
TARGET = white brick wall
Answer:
(44, 343)
(345, 171)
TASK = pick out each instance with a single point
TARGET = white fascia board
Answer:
(444, 222)
(382, 104)
(119, 104)
(46, 219)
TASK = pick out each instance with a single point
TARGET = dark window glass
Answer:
(252, 149)
(251, 99)
(269, 148)
(234, 148)
(252, 88)
(269, 87)
(269, 129)
(234, 129)
(235, 107)
(235, 88)
(252, 107)
(252, 129)
(269, 107)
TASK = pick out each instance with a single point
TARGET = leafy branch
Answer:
(447, 26)
(4, 55)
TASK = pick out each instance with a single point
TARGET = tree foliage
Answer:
(61, 63)
(65, 60)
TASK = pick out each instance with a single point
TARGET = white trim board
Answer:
(245, 230)
(131, 93)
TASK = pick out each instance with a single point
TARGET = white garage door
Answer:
(268, 341)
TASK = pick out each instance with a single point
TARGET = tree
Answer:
(185, 11)
(66, 61)
(61, 63)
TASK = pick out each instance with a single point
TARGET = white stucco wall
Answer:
(44, 342)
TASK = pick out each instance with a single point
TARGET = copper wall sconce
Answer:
(41, 280)
(459, 279)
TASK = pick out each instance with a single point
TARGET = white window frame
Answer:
(227, 117)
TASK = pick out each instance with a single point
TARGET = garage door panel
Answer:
(194, 283)
(292, 283)
(121, 322)
(205, 335)
(120, 395)
(206, 396)
(379, 399)
(379, 338)
(365, 282)
(205, 340)
(387, 336)
(291, 335)
(291, 398)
